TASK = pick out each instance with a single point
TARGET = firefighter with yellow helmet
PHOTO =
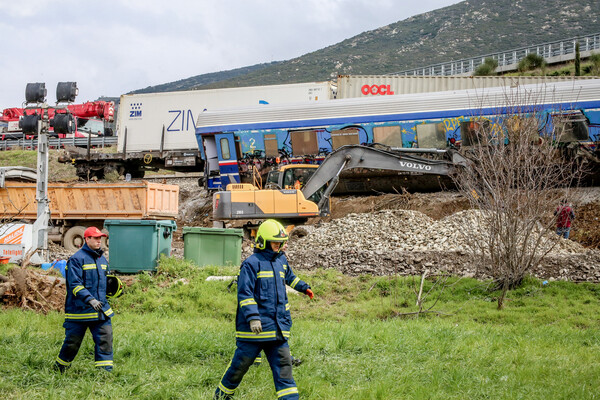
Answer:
(263, 319)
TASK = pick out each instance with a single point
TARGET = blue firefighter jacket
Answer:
(86, 280)
(262, 295)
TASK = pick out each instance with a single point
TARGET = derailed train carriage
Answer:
(241, 144)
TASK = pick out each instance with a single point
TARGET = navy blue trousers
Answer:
(103, 339)
(280, 360)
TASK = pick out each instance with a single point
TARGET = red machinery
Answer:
(90, 119)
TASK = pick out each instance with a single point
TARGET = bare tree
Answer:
(520, 167)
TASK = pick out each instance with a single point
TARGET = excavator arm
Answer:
(247, 202)
(356, 156)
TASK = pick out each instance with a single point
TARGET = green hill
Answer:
(467, 29)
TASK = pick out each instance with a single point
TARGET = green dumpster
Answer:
(212, 246)
(136, 245)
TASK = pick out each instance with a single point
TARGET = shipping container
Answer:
(167, 121)
(350, 86)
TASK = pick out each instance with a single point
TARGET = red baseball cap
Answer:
(92, 231)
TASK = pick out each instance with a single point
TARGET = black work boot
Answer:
(60, 368)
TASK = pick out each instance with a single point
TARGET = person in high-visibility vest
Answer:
(263, 319)
(86, 306)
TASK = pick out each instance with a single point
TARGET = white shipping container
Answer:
(350, 86)
(143, 116)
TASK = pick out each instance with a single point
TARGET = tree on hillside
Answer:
(487, 68)
(530, 62)
(577, 60)
(595, 67)
(518, 173)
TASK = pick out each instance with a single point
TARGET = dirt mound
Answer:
(32, 290)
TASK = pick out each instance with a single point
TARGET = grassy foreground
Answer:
(174, 336)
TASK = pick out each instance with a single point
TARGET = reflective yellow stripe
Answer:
(81, 316)
(285, 392)
(104, 363)
(89, 266)
(225, 390)
(281, 274)
(252, 335)
(109, 312)
(104, 266)
(61, 362)
(265, 274)
(284, 266)
(287, 306)
(295, 282)
(77, 289)
(286, 334)
(247, 302)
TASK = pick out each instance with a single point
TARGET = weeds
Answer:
(174, 338)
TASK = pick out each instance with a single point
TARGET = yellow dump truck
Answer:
(73, 207)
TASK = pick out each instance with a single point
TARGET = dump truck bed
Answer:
(80, 201)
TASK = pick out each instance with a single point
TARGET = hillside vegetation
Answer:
(467, 29)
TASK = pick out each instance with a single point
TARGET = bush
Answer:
(531, 61)
(595, 67)
(487, 68)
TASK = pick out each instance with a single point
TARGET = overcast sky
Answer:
(112, 47)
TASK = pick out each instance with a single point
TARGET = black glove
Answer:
(96, 305)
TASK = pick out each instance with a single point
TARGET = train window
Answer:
(570, 127)
(431, 136)
(304, 143)
(471, 131)
(343, 137)
(388, 135)
(271, 148)
(225, 149)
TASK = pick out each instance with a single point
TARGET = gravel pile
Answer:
(408, 242)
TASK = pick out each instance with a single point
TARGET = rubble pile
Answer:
(32, 290)
(408, 242)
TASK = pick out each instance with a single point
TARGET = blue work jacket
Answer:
(262, 295)
(86, 274)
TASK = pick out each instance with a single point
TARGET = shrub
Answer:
(531, 61)
(595, 67)
(487, 68)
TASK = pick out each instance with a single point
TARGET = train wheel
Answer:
(73, 239)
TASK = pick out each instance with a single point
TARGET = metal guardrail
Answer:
(557, 51)
(56, 143)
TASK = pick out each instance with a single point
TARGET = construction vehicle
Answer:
(74, 207)
(91, 119)
(246, 204)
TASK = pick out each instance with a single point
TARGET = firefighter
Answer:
(263, 319)
(86, 306)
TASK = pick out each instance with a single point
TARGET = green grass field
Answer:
(174, 336)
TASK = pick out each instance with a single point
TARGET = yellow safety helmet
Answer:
(270, 231)
(114, 286)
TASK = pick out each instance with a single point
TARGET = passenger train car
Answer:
(239, 141)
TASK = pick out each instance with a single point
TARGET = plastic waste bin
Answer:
(212, 246)
(136, 245)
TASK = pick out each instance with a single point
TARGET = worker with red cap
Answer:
(86, 306)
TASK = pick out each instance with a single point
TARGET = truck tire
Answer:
(73, 239)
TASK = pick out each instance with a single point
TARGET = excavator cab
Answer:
(291, 176)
